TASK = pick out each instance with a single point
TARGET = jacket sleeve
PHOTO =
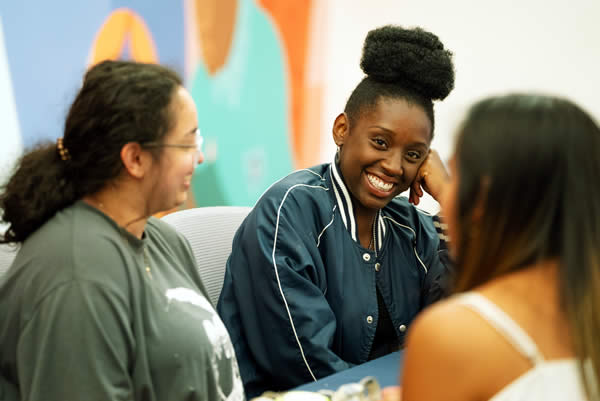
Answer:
(279, 287)
(76, 346)
(437, 283)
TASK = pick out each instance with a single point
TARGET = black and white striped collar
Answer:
(346, 208)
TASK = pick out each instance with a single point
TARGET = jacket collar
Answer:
(346, 207)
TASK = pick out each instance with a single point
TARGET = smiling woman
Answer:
(381, 154)
(331, 267)
(103, 299)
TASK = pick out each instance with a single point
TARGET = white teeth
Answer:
(379, 184)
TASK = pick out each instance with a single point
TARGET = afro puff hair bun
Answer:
(411, 58)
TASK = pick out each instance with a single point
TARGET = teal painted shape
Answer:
(243, 115)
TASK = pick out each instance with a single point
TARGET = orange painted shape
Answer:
(292, 19)
(124, 27)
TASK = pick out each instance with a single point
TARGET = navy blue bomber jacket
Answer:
(299, 296)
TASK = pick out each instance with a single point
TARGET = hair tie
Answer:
(62, 150)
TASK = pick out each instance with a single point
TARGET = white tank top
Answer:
(547, 380)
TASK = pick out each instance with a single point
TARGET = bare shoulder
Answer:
(449, 326)
(447, 345)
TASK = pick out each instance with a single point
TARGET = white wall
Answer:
(550, 46)
(10, 143)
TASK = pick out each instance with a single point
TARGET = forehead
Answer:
(398, 116)
(183, 114)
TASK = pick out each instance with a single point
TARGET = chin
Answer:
(376, 203)
(182, 198)
(373, 201)
(172, 205)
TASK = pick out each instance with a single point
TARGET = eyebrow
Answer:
(392, 132)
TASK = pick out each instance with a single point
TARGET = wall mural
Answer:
(244, 62)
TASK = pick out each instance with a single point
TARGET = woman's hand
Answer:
(431, 177)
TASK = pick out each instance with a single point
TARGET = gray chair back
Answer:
(7, 255)
(210, 232)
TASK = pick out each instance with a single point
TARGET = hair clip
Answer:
(62, 150)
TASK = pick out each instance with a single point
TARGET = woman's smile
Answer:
(379, 187)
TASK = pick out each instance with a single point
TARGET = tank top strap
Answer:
(503, 323)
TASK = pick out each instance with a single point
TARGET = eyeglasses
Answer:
(197, 147)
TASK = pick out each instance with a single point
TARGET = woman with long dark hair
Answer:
(523, 213)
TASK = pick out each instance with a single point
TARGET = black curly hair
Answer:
(119, 102)
(400, 63)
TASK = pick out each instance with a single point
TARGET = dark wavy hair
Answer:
(400, 63)
(532, 163)
(119, 102)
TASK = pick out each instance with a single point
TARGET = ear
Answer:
(136, 159)
(341, 129)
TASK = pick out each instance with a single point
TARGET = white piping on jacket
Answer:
(339, 181)
(380, 232)
(315, 173)
(287, 308)
(283, 178)
(327, 226)
(339, 201)
(442, 226)
(415, 236)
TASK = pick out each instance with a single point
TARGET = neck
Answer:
(119, 207)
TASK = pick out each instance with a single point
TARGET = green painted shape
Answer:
(243, 113)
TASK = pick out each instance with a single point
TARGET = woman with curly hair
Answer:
(103, 301)
(331, 267)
